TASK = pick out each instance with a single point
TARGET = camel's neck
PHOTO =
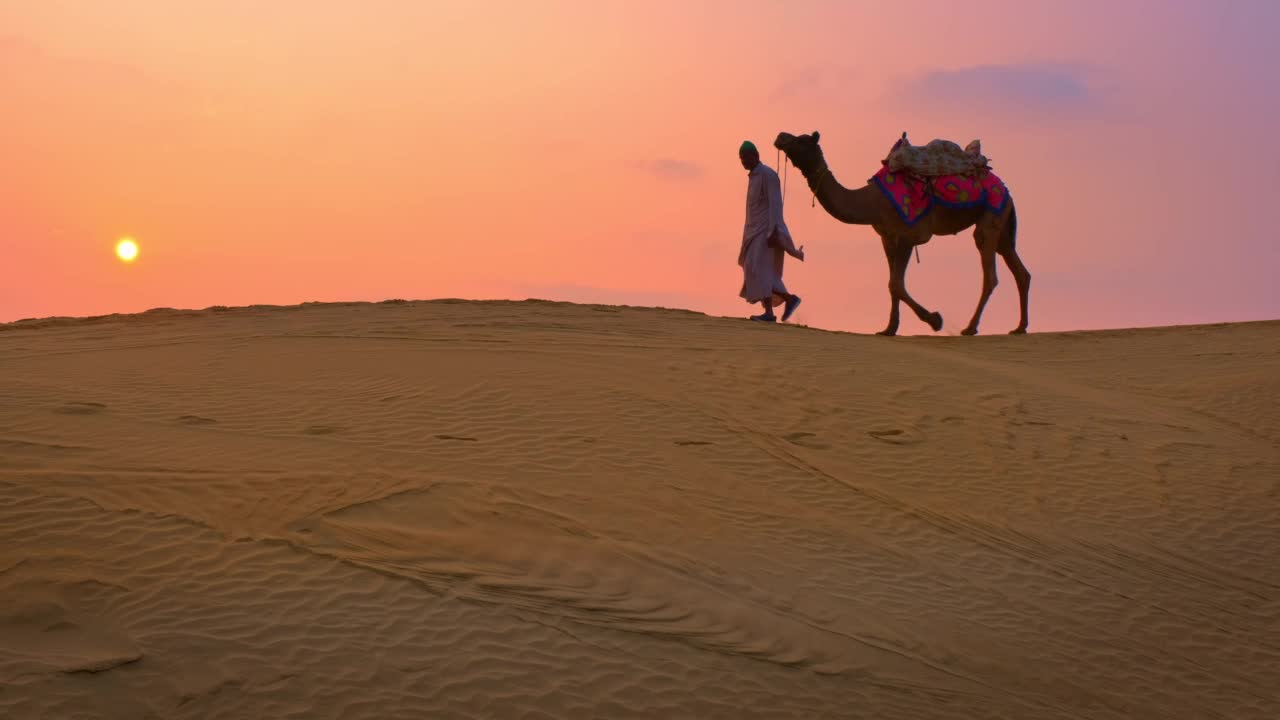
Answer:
(856, 207)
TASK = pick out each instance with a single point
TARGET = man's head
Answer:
(748, 154)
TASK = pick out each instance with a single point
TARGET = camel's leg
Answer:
(1008, 249)
(989, 283)
(1023, 278)
(891, 256)
(898, 285)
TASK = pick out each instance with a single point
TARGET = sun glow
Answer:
(127, 249)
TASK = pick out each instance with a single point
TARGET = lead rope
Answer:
(781, 161)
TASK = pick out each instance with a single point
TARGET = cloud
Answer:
(38, 80)
(30, 60)
(672, 169)
(1023, 87)
(797, 84)
(815, 84)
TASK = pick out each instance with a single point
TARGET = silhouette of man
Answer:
(766, 241)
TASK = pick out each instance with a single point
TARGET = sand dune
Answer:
(539, 510)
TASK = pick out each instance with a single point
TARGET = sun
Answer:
(127, 249)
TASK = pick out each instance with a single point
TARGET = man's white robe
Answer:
(762, 264)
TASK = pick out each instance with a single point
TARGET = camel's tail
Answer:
(1009, 239)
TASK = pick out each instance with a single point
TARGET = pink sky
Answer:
(299, 150)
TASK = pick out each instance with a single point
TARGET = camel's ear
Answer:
(815, 136)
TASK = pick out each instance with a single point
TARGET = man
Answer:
(765, 239)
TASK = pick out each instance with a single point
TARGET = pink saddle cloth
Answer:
(914, 196)
(915, 178)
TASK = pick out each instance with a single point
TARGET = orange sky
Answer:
(290, 151)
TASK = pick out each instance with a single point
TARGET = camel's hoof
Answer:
(1018, 331)
(887, 333)
(969, 331)
(935, 321)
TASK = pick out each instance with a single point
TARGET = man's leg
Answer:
(793, 302)
(767, 304)
(767, 315)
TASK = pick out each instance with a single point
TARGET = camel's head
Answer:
(803, 151)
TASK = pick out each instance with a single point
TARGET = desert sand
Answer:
(540, 510)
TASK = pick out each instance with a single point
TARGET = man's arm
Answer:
(778, 233)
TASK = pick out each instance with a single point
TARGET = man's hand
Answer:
(800, 253)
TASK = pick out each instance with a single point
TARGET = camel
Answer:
(993, 234)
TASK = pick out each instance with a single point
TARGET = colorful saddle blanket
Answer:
(914, 196)
(914, 178)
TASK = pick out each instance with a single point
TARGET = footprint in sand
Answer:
(322, 430)
(195, 420)
(81, 408)
(42, 635)
(576, 438)
(895, 436)
(805, 439)
(456, 438)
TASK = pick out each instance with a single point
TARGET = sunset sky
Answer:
(293, 150)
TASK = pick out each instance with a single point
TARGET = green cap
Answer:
(748, 146)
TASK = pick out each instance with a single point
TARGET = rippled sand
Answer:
(538, 510)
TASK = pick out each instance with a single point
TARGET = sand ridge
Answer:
(505, 509)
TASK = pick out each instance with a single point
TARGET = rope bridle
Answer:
(816, 185)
